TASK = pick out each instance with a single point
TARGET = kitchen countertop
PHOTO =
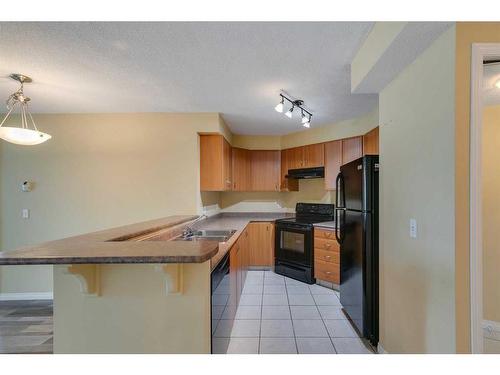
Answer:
(325, 225)
(119, 245)
(141, 243)
(237, 221)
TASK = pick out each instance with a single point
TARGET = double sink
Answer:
(206, 235)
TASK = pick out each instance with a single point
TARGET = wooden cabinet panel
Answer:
(370, 142)
(215, 163)
(296, 158)
(327, 256)
(326, 244)
(314, 155)
(326, 271)
(261, 243)
(333, 161)
(226, 164)
(352, 149)
(242, 170)
(287, 184)
(265, 170)
(324, 233)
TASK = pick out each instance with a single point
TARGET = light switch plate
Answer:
(413, 228)
(25, 213)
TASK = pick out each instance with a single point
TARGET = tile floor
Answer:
(279, 315)
(26, 327)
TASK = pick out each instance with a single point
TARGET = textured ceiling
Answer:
(491, 93)
(236, 69)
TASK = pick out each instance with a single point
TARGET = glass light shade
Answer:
(305, 119)
(306, 124)
(22, 136)
(279, 108)
(289, 113)
(497, 84)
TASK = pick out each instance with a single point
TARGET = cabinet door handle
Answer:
(327, 256)
(328, 272)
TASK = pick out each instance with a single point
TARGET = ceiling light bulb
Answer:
(289, 113)
(279, 108)
(304, 118)
(497, 84)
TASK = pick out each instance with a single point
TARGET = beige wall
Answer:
(98, 171)
(342, 129)
(467, 33)
(311, 191)
(417, 276)
(491, 212)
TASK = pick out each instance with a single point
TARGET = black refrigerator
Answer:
(357, 233)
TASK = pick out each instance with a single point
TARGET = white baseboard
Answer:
(381, 350)
(491, 329)
(25, 296)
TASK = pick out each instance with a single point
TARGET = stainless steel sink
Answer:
(206, 235)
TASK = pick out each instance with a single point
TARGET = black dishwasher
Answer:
(219, 286)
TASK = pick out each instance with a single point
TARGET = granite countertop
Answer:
(325, 225)
(237, 221)
(146, 242)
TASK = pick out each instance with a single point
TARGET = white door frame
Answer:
(480, 51)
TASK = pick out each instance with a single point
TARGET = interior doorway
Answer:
(485, 199)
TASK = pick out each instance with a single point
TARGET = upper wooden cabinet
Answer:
(286, 161)
(265, 170)
(352, 149)
(306, 156)
(370, 142)
(242, 169)
(313, 155)
(333, 161)
(215, 163)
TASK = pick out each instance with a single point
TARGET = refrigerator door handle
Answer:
(339, 188)
(338, 235)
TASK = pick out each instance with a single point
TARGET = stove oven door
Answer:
(294, 243)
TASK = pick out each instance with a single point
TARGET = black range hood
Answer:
(303, 173)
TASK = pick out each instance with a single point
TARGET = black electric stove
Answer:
(295, 240)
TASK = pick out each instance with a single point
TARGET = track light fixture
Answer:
(305, 114)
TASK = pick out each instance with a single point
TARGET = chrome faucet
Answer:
(188, 231)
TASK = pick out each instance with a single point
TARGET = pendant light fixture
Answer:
(305, 114)
(26, 134)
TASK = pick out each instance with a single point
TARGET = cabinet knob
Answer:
(328, 272)
(327, 256)
(328, 245)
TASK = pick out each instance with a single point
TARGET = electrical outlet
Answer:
(25, 213)
(413, 228)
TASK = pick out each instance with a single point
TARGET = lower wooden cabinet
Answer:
(261, 243)
(326, 256)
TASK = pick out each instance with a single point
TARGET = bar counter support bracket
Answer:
(174, 278)
(89, 277)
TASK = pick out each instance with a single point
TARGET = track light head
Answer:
(279, 106)
(289, 113)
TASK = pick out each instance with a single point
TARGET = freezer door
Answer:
(351, 186)
(351, 267)
(359, 183)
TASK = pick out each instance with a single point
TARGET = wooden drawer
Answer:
(323, 233)
(326, 244)
(327, 256)
(327, 271)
